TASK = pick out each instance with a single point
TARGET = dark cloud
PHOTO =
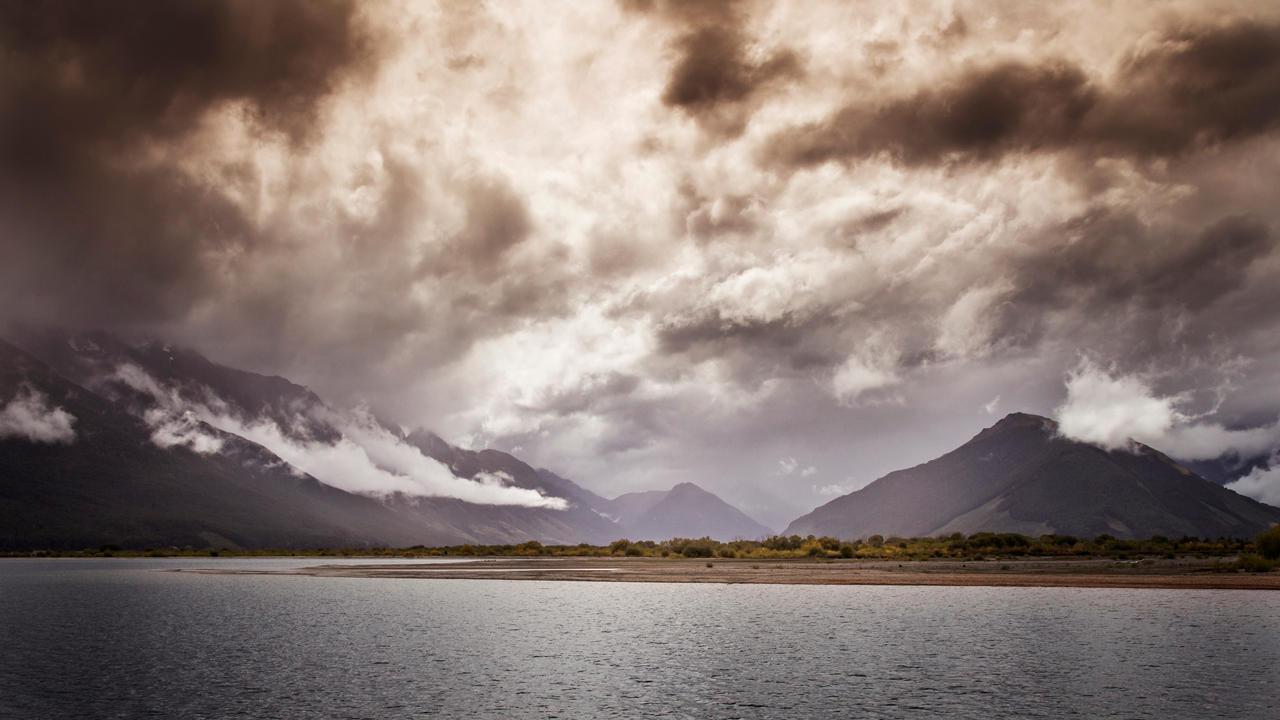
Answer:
(984, 113)
(591, 393)
(716, 78)
(753, 350)
(1107, 259)
(91, 231)
(713, 69)
(1197, 87)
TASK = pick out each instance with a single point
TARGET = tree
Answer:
(1269, 543)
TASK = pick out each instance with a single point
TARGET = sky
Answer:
(776, 249)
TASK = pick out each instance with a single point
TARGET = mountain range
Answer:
(164, 447)
(147, 445)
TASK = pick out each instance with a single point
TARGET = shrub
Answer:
(1269, 543)
(1253, 563)
(846, 550)
(696, 551)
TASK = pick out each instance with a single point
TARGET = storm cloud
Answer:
(651, 242)
(1193, 88)
(97, 100)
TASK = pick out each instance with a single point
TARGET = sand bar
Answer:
(1092, 573)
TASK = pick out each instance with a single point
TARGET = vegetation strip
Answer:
(1259, 555)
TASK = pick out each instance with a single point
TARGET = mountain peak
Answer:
(1018, 421)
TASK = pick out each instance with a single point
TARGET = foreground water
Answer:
(114, 639)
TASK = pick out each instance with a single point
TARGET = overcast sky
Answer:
(776, 249)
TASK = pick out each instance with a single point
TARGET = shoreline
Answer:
(1092, 573)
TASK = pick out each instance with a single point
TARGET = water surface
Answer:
(112, 638)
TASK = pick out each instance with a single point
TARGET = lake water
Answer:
(113, 639)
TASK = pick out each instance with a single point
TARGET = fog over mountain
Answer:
(776, 250)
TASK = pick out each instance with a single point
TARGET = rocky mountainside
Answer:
(1021, 476)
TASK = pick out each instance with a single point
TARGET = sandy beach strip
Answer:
(1166, 574)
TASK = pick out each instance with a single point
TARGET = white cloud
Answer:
(859, 376)
(788, 465)
(28, 415)
(185, 428)
(1262, 484)
(967, 326)
(831, 490)
(1108, 410)
(368, 458)
(809, 471)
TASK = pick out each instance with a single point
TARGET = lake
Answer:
(112, 638)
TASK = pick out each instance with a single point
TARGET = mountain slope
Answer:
(112, 484)
(1020, 476)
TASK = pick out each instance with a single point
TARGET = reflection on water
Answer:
(110, 638)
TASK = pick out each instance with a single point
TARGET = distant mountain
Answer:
(1228, 468)
(493, 524)
(685, 510)
(1021, 476)
(171, 420)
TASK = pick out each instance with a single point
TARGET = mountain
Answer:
(156, 381)
(173, 419)
(104, 480)
(685, 510)
(493, 524)
(1021, 476)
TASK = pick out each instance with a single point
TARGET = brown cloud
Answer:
(1197, 87)
(716, 79)
(87, 86)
